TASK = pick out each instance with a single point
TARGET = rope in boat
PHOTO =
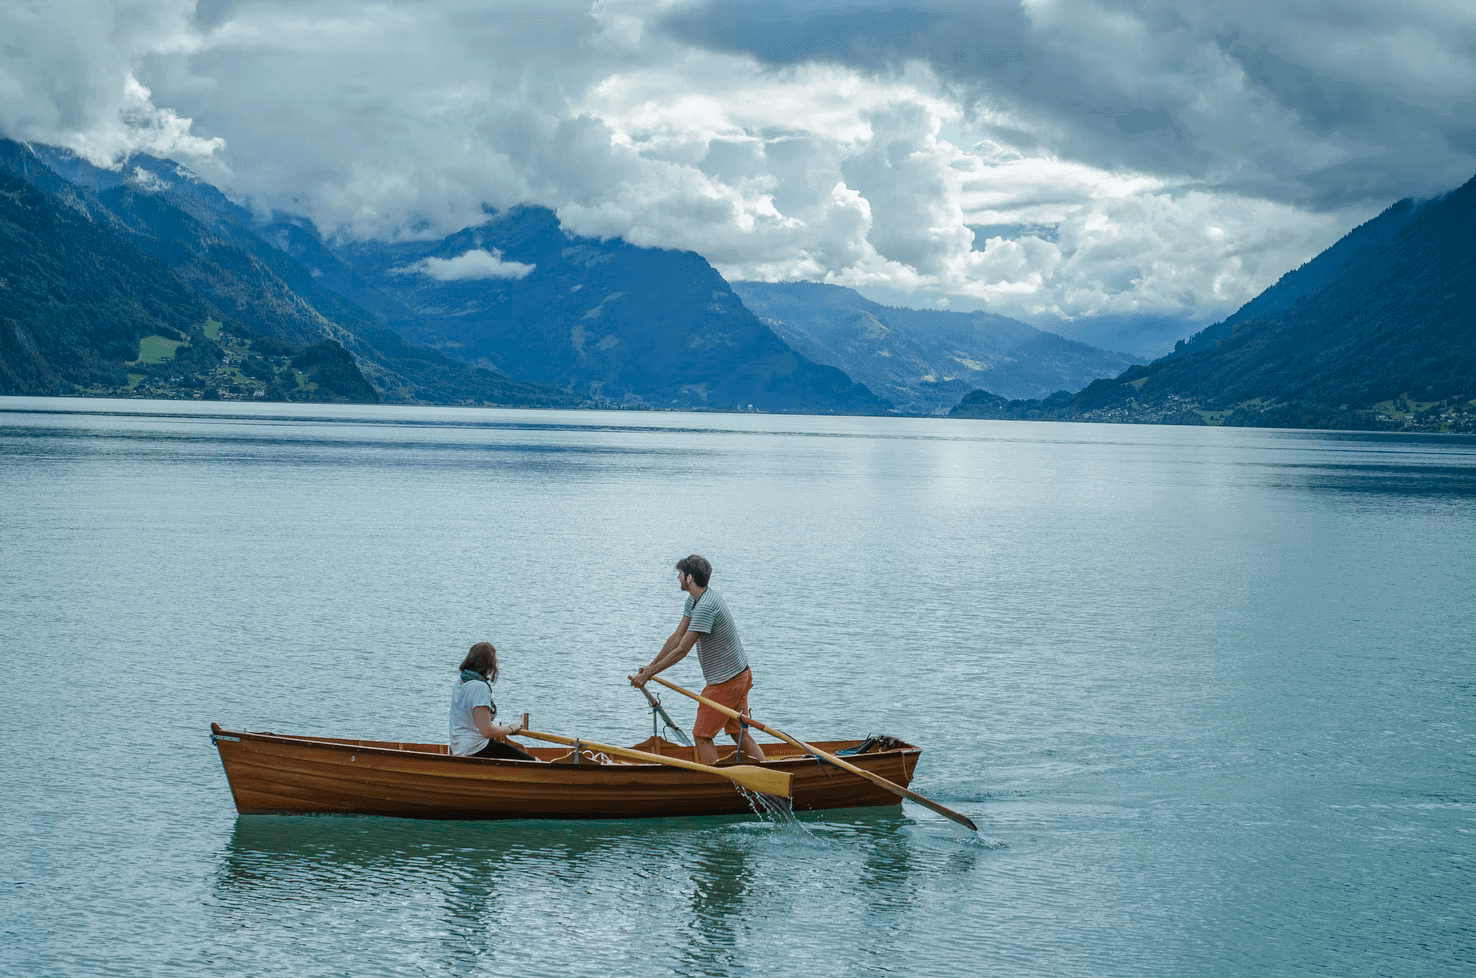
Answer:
(598, 757)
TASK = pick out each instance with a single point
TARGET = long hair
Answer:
(483, 659)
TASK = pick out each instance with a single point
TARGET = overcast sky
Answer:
(1037, 158)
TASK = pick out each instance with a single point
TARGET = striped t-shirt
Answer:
(718, 649)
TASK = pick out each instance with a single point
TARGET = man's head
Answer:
(695, 567)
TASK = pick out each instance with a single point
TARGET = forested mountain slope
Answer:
(212, 245)
(76, 298)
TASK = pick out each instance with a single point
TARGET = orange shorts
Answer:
(734, 695)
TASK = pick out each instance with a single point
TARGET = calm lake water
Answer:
(1210, 694)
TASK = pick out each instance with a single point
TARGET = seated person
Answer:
(473, 734)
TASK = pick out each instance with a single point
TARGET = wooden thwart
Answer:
(747, 775)
(829, 758)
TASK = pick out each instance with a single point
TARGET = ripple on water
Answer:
(1207, 693)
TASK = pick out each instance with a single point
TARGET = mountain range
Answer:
(1378, 331)
(146, 280)
(576, 321)
(608, 321)
(922, 360)
(96, 265)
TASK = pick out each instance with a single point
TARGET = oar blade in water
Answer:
(754, 778)
(875, 779)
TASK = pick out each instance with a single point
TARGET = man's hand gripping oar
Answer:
(875, 779)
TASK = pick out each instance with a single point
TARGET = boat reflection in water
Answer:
(691, 891)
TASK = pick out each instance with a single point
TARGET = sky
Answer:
(1050, 159)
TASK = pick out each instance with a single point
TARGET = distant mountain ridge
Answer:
(603, 319)
(1378, 331)
(921, 360)
(574, 320)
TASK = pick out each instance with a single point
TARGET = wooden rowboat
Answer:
(272, 774)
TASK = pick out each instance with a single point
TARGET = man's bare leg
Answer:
(749, 749)
(706, 750)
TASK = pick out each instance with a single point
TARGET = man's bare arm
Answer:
(674, 651)
(676, 636)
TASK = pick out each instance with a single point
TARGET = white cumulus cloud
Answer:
(69, 76)
(475, 264)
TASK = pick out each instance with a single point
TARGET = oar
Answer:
(749, 776)
(681, 735)
(875, 779)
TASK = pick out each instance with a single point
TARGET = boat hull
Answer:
(272, 774)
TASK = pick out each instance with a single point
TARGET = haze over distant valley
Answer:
(925, 361)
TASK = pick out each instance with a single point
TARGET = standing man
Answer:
(708, 624)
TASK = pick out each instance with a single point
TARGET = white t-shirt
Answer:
(466, 697)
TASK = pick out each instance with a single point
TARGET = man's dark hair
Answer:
(483, 659)
(698, 567)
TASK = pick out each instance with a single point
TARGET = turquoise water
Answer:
(1209, 694)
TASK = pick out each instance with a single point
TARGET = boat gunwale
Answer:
(345, 745)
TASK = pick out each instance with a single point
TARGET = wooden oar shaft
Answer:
(875, 779)
(670, 723)
(748, 775)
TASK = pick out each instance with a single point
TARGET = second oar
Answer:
(875, 779)
(749, 776)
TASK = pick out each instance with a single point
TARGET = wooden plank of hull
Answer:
(293, 778)
(271, 774)
(822, 787)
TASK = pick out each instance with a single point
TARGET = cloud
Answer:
(1270, 99)
(147, 181)
(1046, 158)
(475, 264)
(68, 77)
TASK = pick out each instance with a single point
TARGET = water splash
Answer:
(772, 808)
(980, 841)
